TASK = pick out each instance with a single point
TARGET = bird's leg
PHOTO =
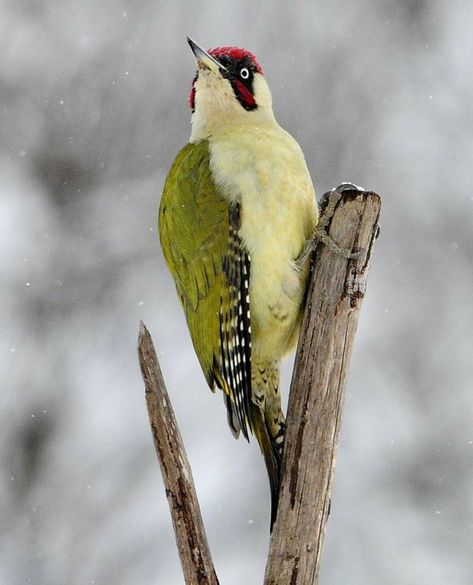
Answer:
(328, 202)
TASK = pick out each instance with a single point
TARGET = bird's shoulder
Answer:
(193, 223)
(189, 181)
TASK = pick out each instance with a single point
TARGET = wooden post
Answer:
(323, 355)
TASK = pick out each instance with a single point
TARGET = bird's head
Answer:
(229, 89)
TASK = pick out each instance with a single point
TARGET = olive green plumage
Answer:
(199, 236)
(193, 229)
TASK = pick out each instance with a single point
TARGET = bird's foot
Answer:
(328, 203)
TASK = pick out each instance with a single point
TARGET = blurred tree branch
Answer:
(336, 290)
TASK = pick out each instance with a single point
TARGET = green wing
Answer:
(199, 237)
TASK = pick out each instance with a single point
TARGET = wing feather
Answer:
(199, 232)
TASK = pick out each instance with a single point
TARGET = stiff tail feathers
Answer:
(271, 448)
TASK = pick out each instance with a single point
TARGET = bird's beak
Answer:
(204, 60)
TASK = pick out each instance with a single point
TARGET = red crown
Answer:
(237, 54)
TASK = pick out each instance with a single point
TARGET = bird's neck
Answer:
(206, 124)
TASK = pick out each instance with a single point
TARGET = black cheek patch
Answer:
(192, 95)
(192, 98)
(243, 95)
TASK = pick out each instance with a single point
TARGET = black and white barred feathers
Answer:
(235, 329)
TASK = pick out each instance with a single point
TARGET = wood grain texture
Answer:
(192, 544)
(334, 298)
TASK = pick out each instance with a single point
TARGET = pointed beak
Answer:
(204, 60)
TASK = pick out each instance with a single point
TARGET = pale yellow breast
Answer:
(263, 169)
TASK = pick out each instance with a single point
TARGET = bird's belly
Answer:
(276, 294)
(275, 226)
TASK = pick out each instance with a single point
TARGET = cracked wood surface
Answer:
(192, 544)
(334, 298)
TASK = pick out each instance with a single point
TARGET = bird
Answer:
(237, 210)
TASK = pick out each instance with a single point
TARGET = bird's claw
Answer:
(321, 235)
(328, 204)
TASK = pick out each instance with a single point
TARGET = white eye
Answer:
(244, 73)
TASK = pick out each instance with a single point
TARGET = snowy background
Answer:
(92, 112)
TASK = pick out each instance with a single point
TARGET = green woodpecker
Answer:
(237, 208)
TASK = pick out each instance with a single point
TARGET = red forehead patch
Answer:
(237, 54)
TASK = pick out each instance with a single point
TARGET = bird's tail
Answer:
(268, 424)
